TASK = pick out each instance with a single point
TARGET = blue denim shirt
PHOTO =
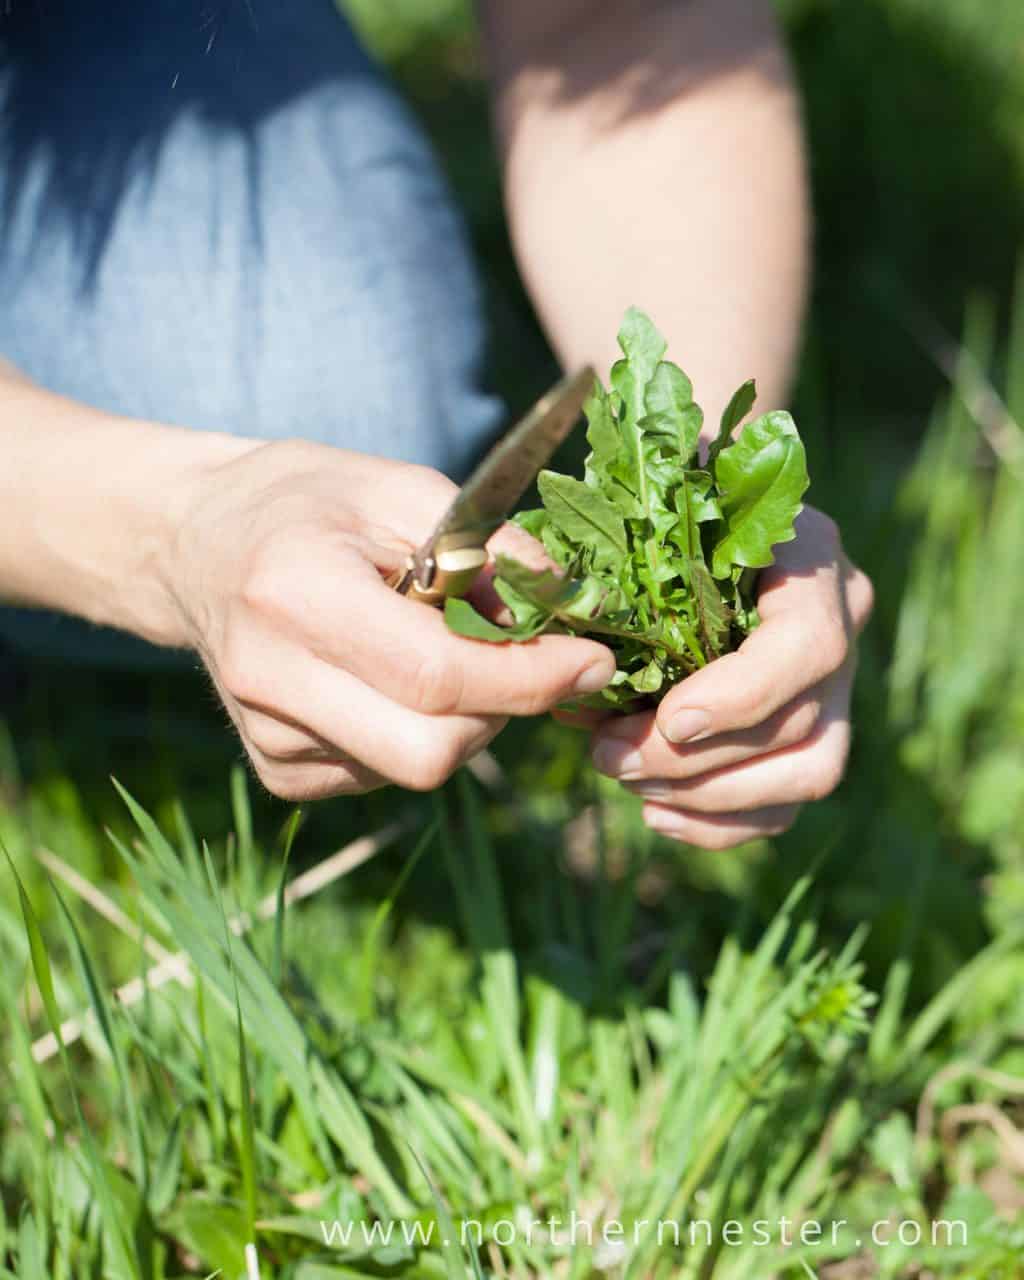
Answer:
(220, 215)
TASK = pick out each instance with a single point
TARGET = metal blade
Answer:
(507, 471)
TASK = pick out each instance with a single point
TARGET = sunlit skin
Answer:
(733, 751)
(269, 560)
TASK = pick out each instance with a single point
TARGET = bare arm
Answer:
(653, 155)
(90, 508)
(267, 559)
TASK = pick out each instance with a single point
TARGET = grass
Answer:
(542, 1012)
(509, 1001)
(288, 1086)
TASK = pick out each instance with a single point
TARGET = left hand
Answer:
(735, 749)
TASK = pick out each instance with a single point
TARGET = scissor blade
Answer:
(508, 470)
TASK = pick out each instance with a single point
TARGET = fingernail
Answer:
(617, 759)
(593, 679)
(687, 724)
(651, 789)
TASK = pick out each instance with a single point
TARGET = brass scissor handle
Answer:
(451, 570)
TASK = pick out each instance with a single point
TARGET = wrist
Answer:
(92, 508)
(166, 564)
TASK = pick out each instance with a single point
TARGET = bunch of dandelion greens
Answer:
(656, 554)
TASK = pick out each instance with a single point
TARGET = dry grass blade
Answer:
(493, 1131)
(1011, 1139)
(1003, 433)
(1005, 1083)
(176, 968)
(100, 902)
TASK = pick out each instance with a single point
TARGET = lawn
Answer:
(496, 1014)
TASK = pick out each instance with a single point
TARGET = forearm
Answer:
(653, 155)
(90, 504)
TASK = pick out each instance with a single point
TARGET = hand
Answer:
(736, 748)
(335, 682)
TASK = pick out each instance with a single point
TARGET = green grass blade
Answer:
(246, 1144)
(455, 1262)
(101, 1010)
(371, 944)
(118, 1230)
(277, 956)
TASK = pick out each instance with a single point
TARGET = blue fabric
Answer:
(221, 216)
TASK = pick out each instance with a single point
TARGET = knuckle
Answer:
(268, 578)
(300, 785)
(830, 529)
(829, 640)
(429, 484)
(544, 696)
(863, 596)
(293, 453)
(756, 702)
(279, 780)
(436, 685)
(274, 740)
(321, 784)
(431, 764)
(236, 671)
(825, 774)
(826, 531)
(797, 721)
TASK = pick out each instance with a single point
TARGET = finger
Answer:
(282, 742)
(632, 747)
(795, 775)
(816, 550)
(859, 595)
(398, 503)
(404, 746)
(277, 747)
(724, 831)
(301, 783)
(803, 638)
(406, 651)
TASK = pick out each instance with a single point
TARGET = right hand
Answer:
(335, 682)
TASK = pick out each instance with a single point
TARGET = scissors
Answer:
(448, 563)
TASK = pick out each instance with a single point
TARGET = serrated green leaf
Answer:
(641, 344)
(704, 504)
(464, 620)
(532, 522)
(625, 502)
(634, 540)
(648, 679)
(602, 429)
(557, 547)
(643, 347)
(542, 587)
(713, 617)
(762, 479)
(585, 516)
(736, 410)
(669, 400)
(669, 390)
